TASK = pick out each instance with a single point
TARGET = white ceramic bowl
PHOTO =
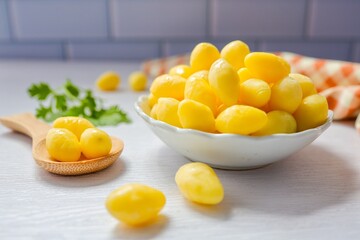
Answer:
(229, 151)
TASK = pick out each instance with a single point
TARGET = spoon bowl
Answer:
(27, 124)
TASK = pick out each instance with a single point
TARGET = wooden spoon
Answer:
(27, 124)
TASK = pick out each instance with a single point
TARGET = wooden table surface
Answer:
(314, 194)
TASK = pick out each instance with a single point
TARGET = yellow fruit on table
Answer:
(166, 111)
(244, 74)
(135, 204)
(76, 125)
(235, 53)
(182, 70)
(203, 55)
(278, 122)
(286, 95)
(307, 86)
(63, 145)
(197, 88)
(95, 143)
(240, 119)
(138, 81)
(199, 183)
(312, 112)
(108, 81)
(195, 115)
(254, 92)
(171, 86)
(267, 66)
(224, 80)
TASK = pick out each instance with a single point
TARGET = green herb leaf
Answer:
(40, 91)
(70, 100)
(60, 102)
(71, 88)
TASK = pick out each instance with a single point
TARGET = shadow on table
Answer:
(150, 231)
(86, 180)
(309, 181)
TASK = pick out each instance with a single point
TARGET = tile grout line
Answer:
(306, 28)
(208, 19)
(109, 18)
(11, 20)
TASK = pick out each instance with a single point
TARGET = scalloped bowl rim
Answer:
(174, 129)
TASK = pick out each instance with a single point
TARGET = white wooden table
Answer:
(315, 194)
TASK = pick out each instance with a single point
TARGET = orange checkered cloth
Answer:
(338, 81)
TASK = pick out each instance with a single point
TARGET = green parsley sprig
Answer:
(70, 100)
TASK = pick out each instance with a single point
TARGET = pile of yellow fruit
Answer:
(72, 136)
(236, 91)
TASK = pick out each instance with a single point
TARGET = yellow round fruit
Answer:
(240, 119)
(244, 74)
(267, 66)
(203, 55)
(182, 70)
(95, 143)
(254, 92)
(278, 122)
(224, 80)
(171, 86)
(108, 81)
(137, 81)
(167, 111)
(76, 125)
(307, 86)
(286, 95)
(235, 53)
(135, 204)
(152, 100)
(195, 115)
(63, 145)
(199, 183)
(197, 88)
(312, 112)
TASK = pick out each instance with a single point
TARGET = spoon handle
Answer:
(27, 124)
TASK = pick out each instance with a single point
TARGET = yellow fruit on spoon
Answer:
(199, 183)
(278, 122)
(312, 112)
(203, 55)
(235, 53)
(137, 81)
(166, 111)
(267, 66)
(195, 115)
(182, 70)
(135, 204)
(224, 80)
(171, 86)
(108, 81)
(76, 125)
(63, 145)
(95, 143)
(307, 86)
(240, 119)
